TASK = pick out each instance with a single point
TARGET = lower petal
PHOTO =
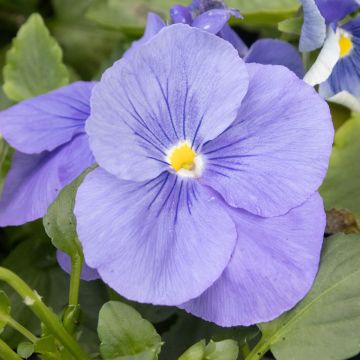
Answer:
(34, 181)
(273, 267)
(164, 241)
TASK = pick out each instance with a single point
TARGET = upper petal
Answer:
(163, 242)
(275, 155)
(34, 181)
(272, 268)
(276, 52)
(153, 25)
(335, 10)
(183, 84)
(313, 31)
(45, 122)
(228, 34)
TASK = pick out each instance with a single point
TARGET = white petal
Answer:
(326, 61)
(346, 99)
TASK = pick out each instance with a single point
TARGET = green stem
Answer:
(76, 267)
(245, 350)
(259, 350)
(7, 353)
(51, 321)
(19, 328)
(306, 61)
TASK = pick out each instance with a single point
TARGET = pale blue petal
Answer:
(162, 242)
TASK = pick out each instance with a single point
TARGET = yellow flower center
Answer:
(182, 157)
(345, 44)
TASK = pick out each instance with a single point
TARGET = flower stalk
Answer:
(7, 353)
(49, 318)
(75, 276)
(19, 328)
(261, 348)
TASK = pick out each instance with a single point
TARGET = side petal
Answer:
(326, 60)
(335, 10)
(162, 242)
(276, 52)
(273, 267)
(45, 122)
(313, 31)
(87, 273)
(276, 154)
(228, 34)
(176, 87)
(212, 20)
(34, 181)
(154, 24)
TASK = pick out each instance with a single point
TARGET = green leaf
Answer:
(124, 334)
(265, 12)
(34, 62)
(34, 261)
(222, 350)
(341, 186)
(22, 6)
(68, 10)
(25, 349)
(127, 13)
(60, 221)
(85, 45)
(325, 324)
(291, 26)
(131, 14)
(46, 345)
(193, 330)
(5, 308)
(195, 352)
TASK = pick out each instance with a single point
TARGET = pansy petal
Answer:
(212, 20)
(344, 98)
(162, 242)
(345, 75)
(87, 273)
(34, 181)
(275, 155)
(200, 6)
(335, 10)
(228, 34)
(276, 52)
(273, 267)
(326, 60)
(45, 122)
(180, 14)
(175, 87)
(313, 31)
(154, 24)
